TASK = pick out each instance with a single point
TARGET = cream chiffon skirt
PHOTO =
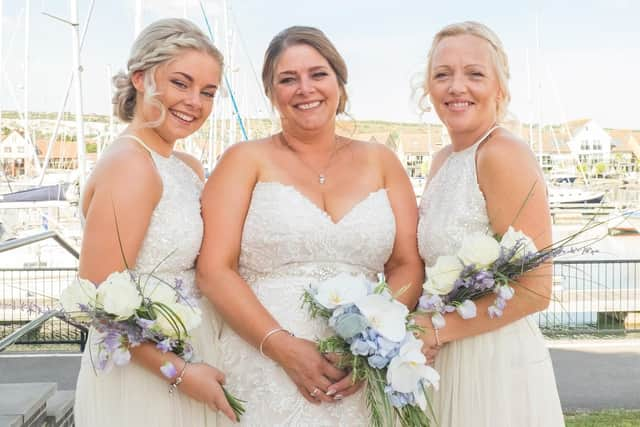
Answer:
(502, 378)
(132, 396)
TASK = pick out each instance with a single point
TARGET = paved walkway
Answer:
(591, 374)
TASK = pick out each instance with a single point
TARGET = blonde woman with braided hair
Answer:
(153, 191)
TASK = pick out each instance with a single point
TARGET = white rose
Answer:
(118, 295)
(479, 249)
(190, 317)
(158, 291)
(512, 238)
(442, 276)
(341, 289)
(81, 291)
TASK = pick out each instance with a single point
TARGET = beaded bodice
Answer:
(452, 205)
(285, 232)
(175, 229)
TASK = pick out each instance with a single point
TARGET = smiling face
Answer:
(463, 84)
(185, 86)
(306, 92)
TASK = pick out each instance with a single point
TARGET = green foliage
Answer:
(618, 418)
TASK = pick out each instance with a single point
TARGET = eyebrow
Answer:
(312, 69)
(190, 79)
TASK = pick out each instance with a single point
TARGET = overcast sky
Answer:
(587, 64)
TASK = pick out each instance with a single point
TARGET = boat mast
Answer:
(137, 23)
(77, 70)
(538, 60)
(1, 66)
(27, 131)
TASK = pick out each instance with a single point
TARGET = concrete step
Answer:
(60, 409)
(26, 401)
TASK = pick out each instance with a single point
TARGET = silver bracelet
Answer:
(268, 334)
(178, 380)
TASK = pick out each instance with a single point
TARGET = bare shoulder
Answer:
(126, 162)
(192, 162)
(505, 150)
(246, 151)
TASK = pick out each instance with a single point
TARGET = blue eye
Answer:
(287, 80)
(179, 84)
(209, 94)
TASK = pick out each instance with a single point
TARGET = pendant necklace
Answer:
(322, 175)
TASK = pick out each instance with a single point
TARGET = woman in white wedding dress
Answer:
(494, 372)
(291, 209)
(154, 193)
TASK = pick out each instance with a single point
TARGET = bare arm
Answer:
(404, 267)
(225, 203)
(126, 188)
(507, 170)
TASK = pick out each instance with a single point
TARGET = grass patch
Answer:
(609, 418)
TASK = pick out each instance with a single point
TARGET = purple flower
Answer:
(168, 370)
(505, 292)
(121, 356)
(164, 345)
(145, 323)
(112, 340)
(494, 311)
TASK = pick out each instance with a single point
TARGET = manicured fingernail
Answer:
(331, 392)
(338, 397)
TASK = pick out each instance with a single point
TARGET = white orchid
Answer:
(442, 275)
(80, 292)
(513, 238)
(118, 295)
(386, 316)
(341, 289)
(479, 249)
(409, 368)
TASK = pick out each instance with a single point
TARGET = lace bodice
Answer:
(285, 231)
(287, 243)
(175, 229)
(452, 205)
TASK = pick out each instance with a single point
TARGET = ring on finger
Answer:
(315, 392)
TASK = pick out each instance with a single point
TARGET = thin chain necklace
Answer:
(322, 175)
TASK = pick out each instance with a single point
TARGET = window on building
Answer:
(7, 149)
(20, 149)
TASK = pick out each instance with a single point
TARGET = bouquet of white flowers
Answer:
(375, 339)
(484, 264)
(126, 310)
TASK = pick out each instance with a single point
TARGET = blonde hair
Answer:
(157, 44)
(311, 37)
(496, 51)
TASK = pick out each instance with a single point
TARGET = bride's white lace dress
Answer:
(502, 378)
(287, 243)
(131, 395)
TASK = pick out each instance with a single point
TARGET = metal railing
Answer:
(594, 296)
(29, 299)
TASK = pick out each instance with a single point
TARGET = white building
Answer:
(17, 156)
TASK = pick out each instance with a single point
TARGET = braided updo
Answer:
(158, 43)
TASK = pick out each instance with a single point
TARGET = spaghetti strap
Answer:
(138, 140)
